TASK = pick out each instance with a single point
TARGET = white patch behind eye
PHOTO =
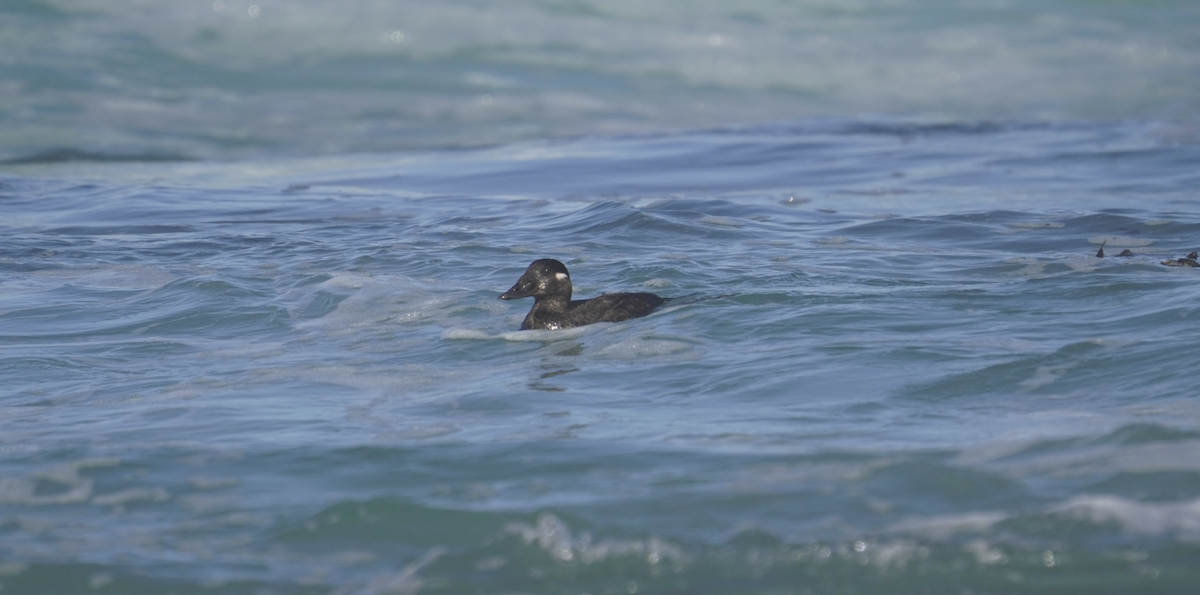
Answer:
(560, 276)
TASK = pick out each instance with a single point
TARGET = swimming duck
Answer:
(549, 283)
(1186, 261)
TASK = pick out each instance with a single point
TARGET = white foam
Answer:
(540, 335)
(76, 488)
(1181, 519)
(1043, 376)
(554, 536)
(946, 526)
(344, 282)
(379, 303)
(456, 334)
(405, 580)
(985, 554)
(1081, 263)
(122, 497)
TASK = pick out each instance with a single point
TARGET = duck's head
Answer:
(544, 278)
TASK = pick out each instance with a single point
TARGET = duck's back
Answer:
(613, 307)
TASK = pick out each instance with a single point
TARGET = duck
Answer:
(1186, 261)
(549, 284)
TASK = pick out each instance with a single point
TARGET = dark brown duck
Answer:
(1188, 260)
(549, 284)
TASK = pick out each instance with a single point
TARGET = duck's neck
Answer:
(553, 303)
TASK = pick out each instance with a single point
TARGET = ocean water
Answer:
(250, 340)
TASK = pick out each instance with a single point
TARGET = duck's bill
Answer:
(517, 292)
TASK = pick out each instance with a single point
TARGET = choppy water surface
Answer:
(226, 79)
(295, 376)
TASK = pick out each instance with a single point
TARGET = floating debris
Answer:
(1127, 252)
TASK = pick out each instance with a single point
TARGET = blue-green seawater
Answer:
(250, 252)
(915, 376)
